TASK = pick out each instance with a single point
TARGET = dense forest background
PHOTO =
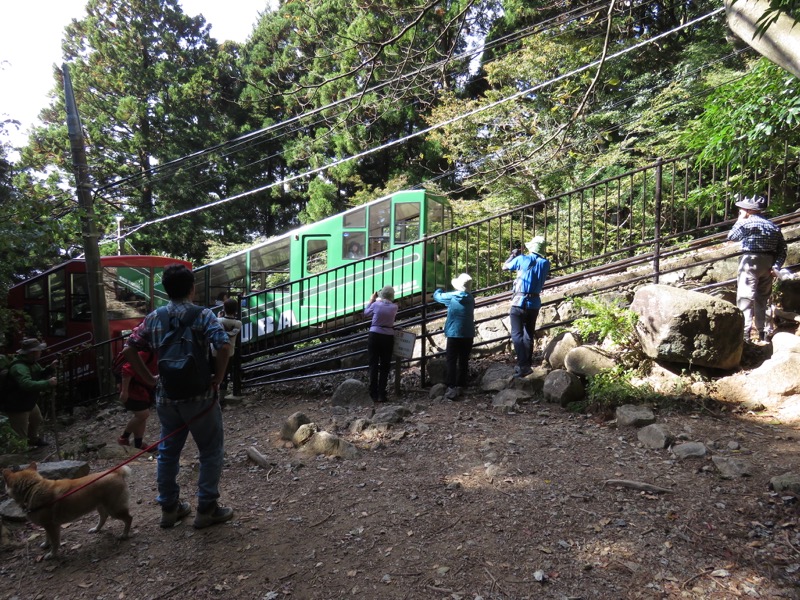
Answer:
(203, 146)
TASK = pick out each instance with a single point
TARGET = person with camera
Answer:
(382, 309)
(763, 254)
(532, 270)
(459, 329)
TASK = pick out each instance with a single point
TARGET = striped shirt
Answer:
(760, 236)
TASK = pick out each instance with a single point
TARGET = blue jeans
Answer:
(523, 326)
(203, 418)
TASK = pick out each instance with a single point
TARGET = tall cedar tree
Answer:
(151, 86)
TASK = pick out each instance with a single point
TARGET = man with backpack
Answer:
(186, 399)
(532, 271)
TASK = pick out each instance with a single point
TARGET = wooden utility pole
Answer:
(91, 249)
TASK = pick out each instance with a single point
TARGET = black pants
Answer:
(379, 346)
(457, 354)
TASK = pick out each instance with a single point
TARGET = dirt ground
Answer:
(456, 502)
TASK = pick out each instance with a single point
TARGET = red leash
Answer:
(125, 462)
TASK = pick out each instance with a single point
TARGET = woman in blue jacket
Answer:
(459, 329)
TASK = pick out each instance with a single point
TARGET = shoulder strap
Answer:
(163, 316)
(190, 315)
(187, 319)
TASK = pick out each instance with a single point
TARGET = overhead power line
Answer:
(253, 138)
(427, 130)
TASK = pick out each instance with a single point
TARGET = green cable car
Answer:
(327, 270)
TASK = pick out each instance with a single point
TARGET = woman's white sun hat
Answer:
(462, 282)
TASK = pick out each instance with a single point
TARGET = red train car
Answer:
(57, 301)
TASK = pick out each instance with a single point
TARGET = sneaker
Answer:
(123, 441)
(451, 393)
(173, 514)
(212, 516)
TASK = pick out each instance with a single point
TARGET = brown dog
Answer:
(49, 503)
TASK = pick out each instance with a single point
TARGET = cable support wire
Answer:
(619, 125)
(423, 131)
(254, 143)
(254, 138)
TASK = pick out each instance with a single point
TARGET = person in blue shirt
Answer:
(763, 254)
(459, 329)
(532, 271)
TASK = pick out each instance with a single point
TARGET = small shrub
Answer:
(607, 318)
(610, 389)
(10, 442)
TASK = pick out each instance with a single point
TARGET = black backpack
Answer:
(182, 359)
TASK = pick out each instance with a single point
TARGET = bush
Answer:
(607, 318)
(10, 442)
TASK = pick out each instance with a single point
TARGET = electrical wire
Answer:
(426, 130)
(248, 140)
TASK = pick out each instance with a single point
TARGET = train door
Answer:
(313, 294)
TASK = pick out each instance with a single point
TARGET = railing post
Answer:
(423, 327)
(657, 217)
(236, 358)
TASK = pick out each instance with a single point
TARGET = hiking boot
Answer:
(173, 514)
(212, 515)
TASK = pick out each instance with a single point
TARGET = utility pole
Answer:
(91, 250)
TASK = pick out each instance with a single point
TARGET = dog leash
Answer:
(126, 461)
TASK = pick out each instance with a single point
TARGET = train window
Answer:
(269, 265)
(229, 275)
(316, 256)
(438, 216)
(79, 297)
(57, 304)
(356, 219)
(406, 222)
(38, 318)
(379, 224)
(35, 290)
(353, 245)
(58, 295)
(127, 291)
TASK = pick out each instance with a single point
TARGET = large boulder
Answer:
(774, 384)
(588, 361)
(563, 387)
(351, 392)
(687, 327)
(557, 349)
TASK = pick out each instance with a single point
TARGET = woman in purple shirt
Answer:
(383, 310)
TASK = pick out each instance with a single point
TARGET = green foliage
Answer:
(150, 87)
(10, 442)
(613, 388)
(607, 318)
(750, 118)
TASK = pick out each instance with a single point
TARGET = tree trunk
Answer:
(780, 43)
